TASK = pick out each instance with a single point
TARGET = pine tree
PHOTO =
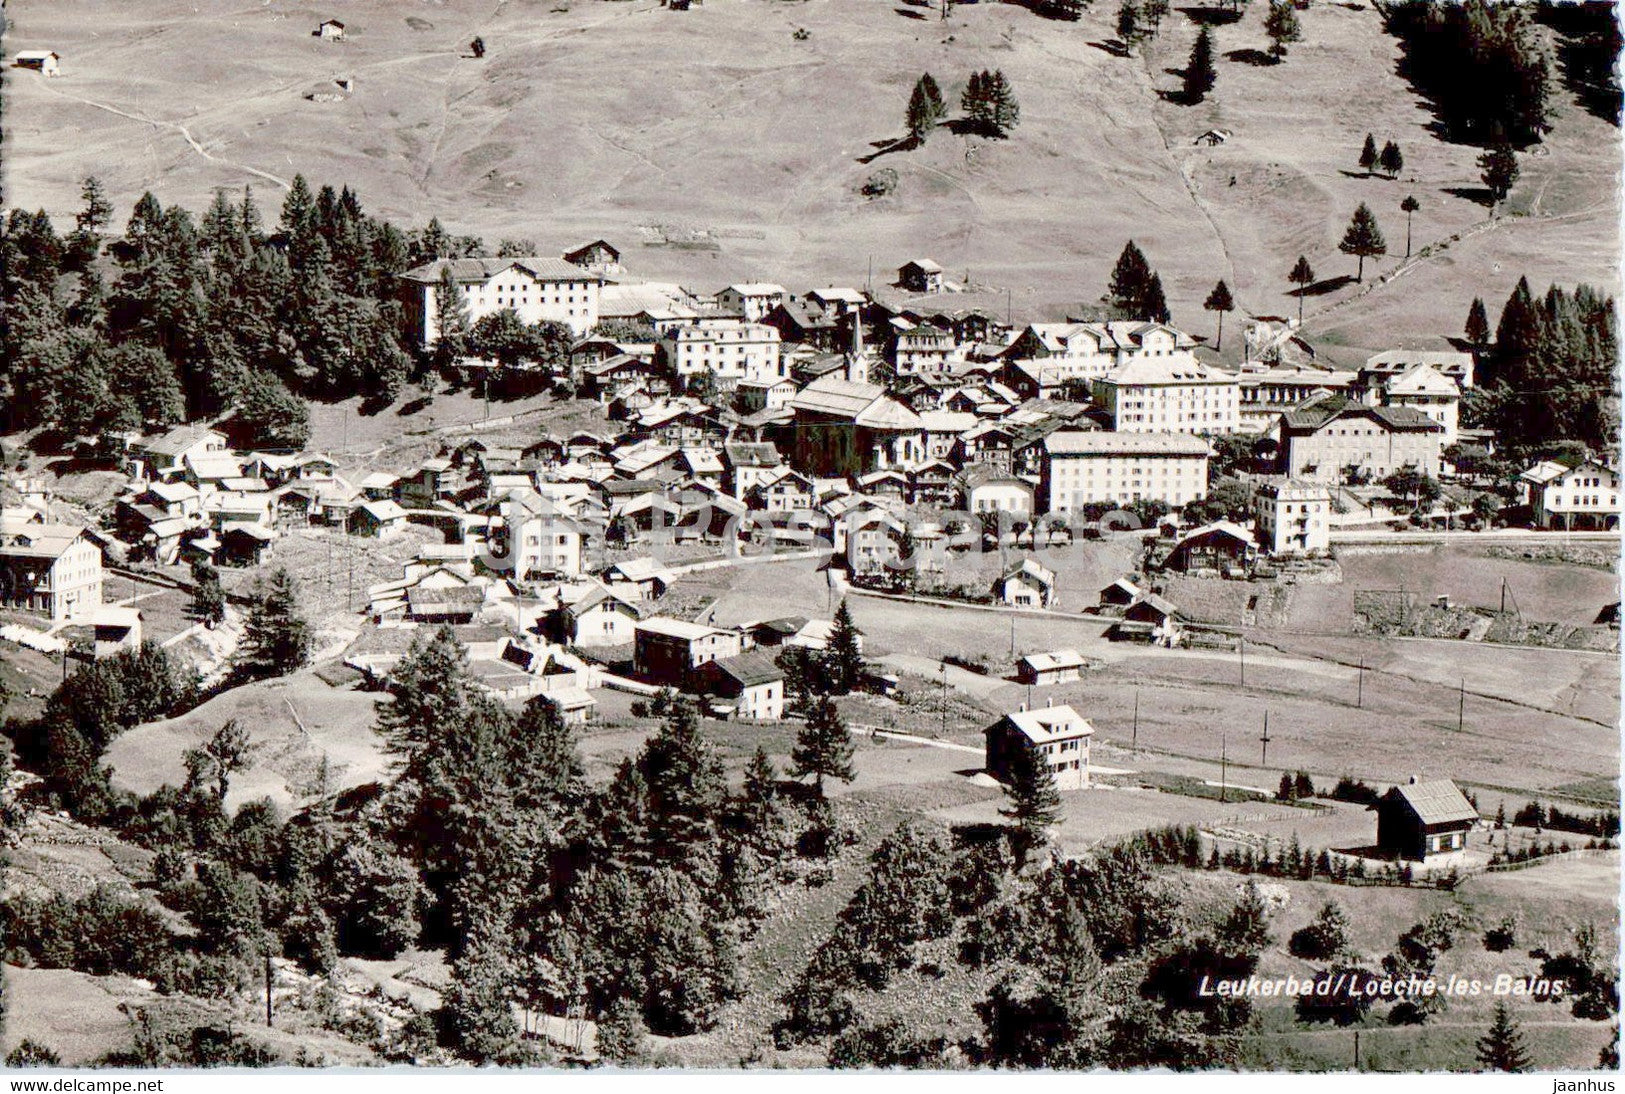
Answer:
(1283, 28)
(1286, 791)
(1131, 24)
(686, 789)
(974, 100)
(450, 320)
(844, 662)
(1503, 1047)
(1498, 167)
(1363, 238)
(1478, 324)
(823, 746)
(1131, 277)
(1155, 308)
(623, 1039)
(1391, 160)
(477, 1012)
(1409, 206)
(1219, 300)
(1200, 74)
(1368, 154)
(276, 637)
(925, 108)
(1518, 333)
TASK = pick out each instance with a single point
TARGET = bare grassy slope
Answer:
(591, 117)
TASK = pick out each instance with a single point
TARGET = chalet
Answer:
(920, 275)
(164, 456)
(1455, 364)
(1119, 593)
(884, 485)
(942, 430)
(1060, 735)
(44, 61)
(768, 393)
(836, 301)
(804, 322)
(376, 518)
(599, 256)
(1055, 667)
(1583, 494)
(749, 685)
(752, 301)
(1418, 819)
(379, 486)
(595, 616)
(640, 579)
(920, 348)
(749, 464)
(54, 569)
(1028, 584)
(1221, 547)
(790, 491)
(1421, 387)
(770, 633)
(933, 483)
(444, 604)
(329, 30)
(667, 651)
(1149, 619)
(244, 545)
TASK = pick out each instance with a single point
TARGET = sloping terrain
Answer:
(624, 119)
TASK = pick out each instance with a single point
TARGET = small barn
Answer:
(330, 29)
(1055, 667)
(1149, 619)
(1418, 819)
(44, 61)
(1120, 594)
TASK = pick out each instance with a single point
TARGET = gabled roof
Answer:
(1423, 380)
(1059, 659)
(1316, 415)
(1111, 443)
(924, 265)
(678, 628)
(1029, 567)
(749, 669)
(469, 270)
(641, 569)
(179, 439)
(1174, 369)
(837, 396)
(578, 254)
(1048, 724)
(752, 454)
(1436, 801)
(756, 288)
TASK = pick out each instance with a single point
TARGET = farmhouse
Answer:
(667, 651)
(1059, 734)
(1328, 437)
(920, 275)
(55, 569)
(1220, 547)
(44, 61)
(1585, 495)
(1292, 518)
(1084, 468)
(330, 29)
(536, 289)
(1056, 667)
(751, 685)
(752, 301)
(1149, 619)
(1418, 819)
(599, 256)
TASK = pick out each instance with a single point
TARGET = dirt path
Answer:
(185, 133)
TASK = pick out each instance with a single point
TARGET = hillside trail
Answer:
(185, 133)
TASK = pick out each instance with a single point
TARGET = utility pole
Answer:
(1356, 1050)
(1241, 648)
(1503, 596)
(1012, 636)
(1264, 741)
(1461, 705)
(1135, 742)
(1224, 767)
(269, 976)
(945, 698)
(1359, 687)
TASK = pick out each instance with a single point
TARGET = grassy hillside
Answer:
(604, 117)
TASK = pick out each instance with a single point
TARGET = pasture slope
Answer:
(620, 118)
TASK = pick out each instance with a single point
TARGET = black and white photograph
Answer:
(576, 537)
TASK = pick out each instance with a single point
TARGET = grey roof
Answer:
(1110, 443)
(483, 269)
(1315, 415)
(747, 669)
(1437, 801)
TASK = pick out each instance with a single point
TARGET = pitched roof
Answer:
(1316, 415)
(837, 396)
(1050, 724)
(25, 539)
(1177, 368)
(1111, 443)
(677, 628)
(483, 269)
(752, 454)
(1059, 659)
(1436, 801)
(748, 669)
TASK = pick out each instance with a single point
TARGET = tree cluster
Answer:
(989, 103)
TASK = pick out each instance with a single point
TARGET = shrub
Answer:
(881, 183)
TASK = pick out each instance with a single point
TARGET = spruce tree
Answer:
(844, 661)
(1368, 154)
(925, 108)
(1219, 300)
(1518, 334)
(477, 1012)
(1031, 798)
(1363, 238)
(1130, 279)
(1200, 74)
(1155, 308)
(974, 100)
(823, 746)
(623, 1039)
(276, 638)
(1503, 1047)
(1131, 24)
(450, 319)
(208, 598)
(1004, 113)
(1391, 160)
(1498, 167)
(1478, 324)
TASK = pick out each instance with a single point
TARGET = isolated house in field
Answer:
(1059, 735)
(330, 30)
(1056, 667)
(1149, 619)
(44, 61)
(1418, 819)
(1028, 584)
(750, 686)
(1585, 495)
(1119, 594)
(920, 275)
